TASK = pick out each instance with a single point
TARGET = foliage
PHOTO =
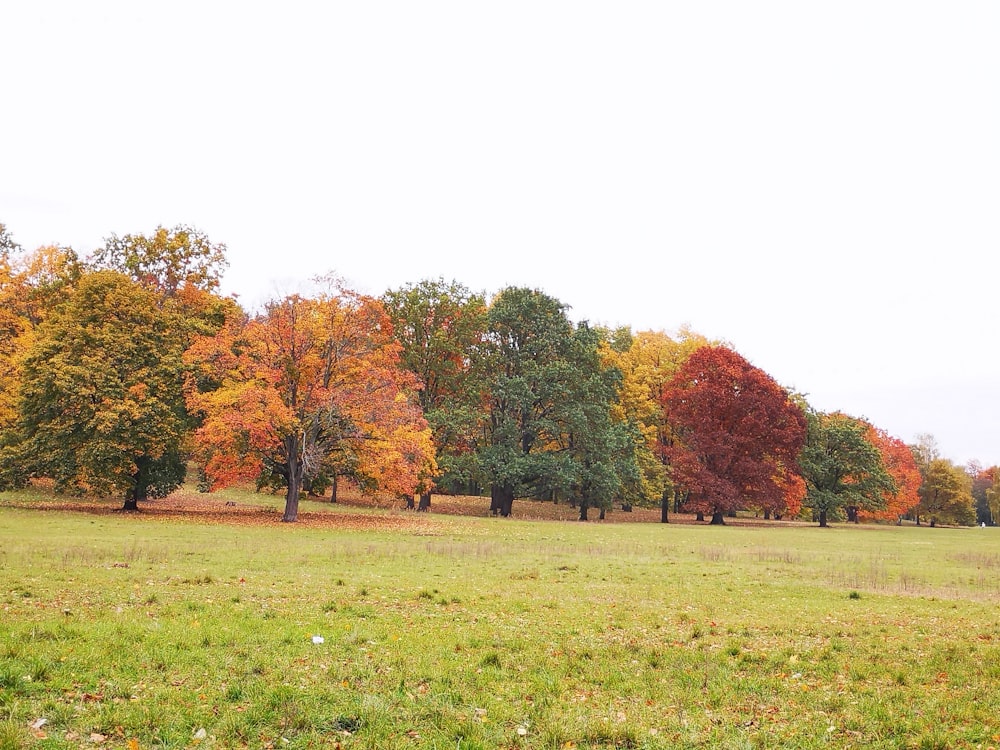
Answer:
(897, 458)
(8, 245)
(31, 286)
(548, 428)
(946, 493)
(738, 433)
(982, 481)
(648, 361)
(440, 327)
(310, 387)
(842, 468)
(168, 260)
(602, 464)
(101, 407)
(993, 494)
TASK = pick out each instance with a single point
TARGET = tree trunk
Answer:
(822, 519)
(425, 502)
(603, 513)
(294, 479)
(495, 501)
(333, 491)
(137, 493)
(699, 516)
(410, 502)
(583, 510)
(718, 519)
(665, 506)
(767, 514)
(507, 504)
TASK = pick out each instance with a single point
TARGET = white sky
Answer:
(816, 182)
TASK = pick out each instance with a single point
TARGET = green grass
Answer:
(492, 633)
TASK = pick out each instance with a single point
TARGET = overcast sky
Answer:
(817, 183)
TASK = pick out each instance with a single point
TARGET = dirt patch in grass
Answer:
(352, 511)
(195, 508)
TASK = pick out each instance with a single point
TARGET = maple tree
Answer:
(100, 407)
(842, 468)
(735, 432)
(440, 327)
(308, 388)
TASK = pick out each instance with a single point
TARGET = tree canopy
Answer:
(310, 387)
(101, 406)
(737, 433)
(842, 468)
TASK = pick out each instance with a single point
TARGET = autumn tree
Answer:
(648, 360)
(440, 327)
(897, 458)
(737, 432)
(993, 494)
(308, 387)
(945, 493)
(32, 284)
(100, 408)
(842, 468)
(982, 481)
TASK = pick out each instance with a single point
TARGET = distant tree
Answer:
(737, 432)
(306, 389)
(440, 327)
(945, 494)
(601, 449)
(101, 406)
(842, 469)
(897, 458)
(993, 494)
(167, 260)
(8, 246)
(982, 481)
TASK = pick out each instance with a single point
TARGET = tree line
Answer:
(120, 370)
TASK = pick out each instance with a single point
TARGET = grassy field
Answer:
(394, 630)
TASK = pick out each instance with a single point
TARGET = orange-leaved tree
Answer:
(902, 467)
(309, 387)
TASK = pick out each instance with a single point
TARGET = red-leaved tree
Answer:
(739, 434)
